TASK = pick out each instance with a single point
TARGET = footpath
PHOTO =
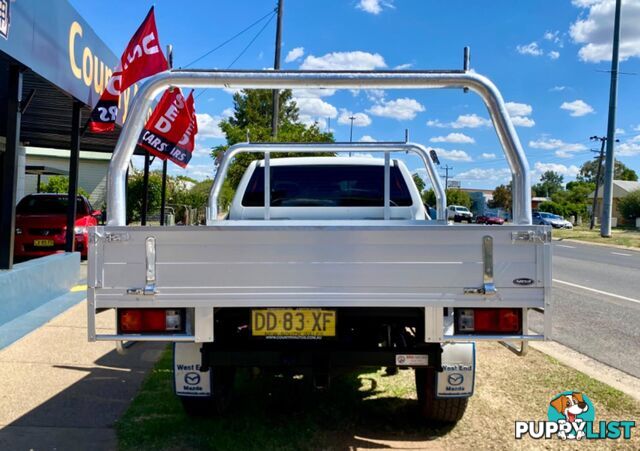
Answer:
(61, 392)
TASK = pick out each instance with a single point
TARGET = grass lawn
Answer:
(621, 237)
(369, 410)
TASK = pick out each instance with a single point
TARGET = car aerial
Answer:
(489, 219)
(41, 225)
(555, 221)
(459, 213)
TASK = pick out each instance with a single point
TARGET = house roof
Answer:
(620, 188)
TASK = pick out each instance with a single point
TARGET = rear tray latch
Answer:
(150, 270)
(488, 285)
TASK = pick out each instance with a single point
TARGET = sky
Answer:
(549, 58)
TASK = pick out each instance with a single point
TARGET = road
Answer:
(596, 303)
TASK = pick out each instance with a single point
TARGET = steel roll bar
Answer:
(116, 177)
(268, 148)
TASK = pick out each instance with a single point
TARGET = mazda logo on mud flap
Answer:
(192, 378)
(455, 379)
(523, 281)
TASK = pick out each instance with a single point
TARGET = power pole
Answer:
(447, 168)
(607, 196)
(602, 140)
(351, 118)
(276, 66)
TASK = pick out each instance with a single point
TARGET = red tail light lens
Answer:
(134, 320)
(488, 320)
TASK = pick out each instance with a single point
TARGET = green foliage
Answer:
(629, 205)
(589, 169)
(60, 184)
(458, 197)
(419, 182)
(135, 194)
(550, 183)
(454, 197)
(501, 197)
(551, 207)
(252, 117)
(429, 197)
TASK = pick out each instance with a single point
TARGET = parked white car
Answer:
(459, 213)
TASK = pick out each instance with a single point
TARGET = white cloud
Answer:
(477, 174)
(368, 139)
(519, 112)
(553, 54)
(315, 107)
(636, 128)
(567, 171)
(360, 119)
(374, 6)
(403, 66)
(356, 60)
(400, 109)
(453, 155)
(595, 28)
(463, 121)
(488, 156)
(532, 49)
(553, 36)
(459, 138)
(209, 126)
(558, 88)
(294, 54)
(577, 108)
(521, 121)
(313, 92)
(620, 131)
(518, 109)
(628, 149)
(561, 148)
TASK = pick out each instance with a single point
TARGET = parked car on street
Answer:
(488, 219)
(459, 213)
(555, 221)
(41, 225)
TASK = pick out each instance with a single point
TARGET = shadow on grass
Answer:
(359, 409)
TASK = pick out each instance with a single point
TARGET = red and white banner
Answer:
(142, 58)
(188, 141)
(168, 126)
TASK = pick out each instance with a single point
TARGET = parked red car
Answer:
(41, 224)
(489, 220)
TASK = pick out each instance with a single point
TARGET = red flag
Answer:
(166, 127)
(187, 143)
(142, 58)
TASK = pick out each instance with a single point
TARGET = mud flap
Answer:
(459, 370)
(188, 380)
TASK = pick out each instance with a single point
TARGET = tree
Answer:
(501, 197)
(419, 182)
(629, 205)
(454, 197)
(135, 194)
(550, 183)
(429, 197)
(60, 184)
(252, 117)
(589, 169)
(552, 207)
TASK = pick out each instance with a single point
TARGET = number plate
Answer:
(43, 243)
(293, 323)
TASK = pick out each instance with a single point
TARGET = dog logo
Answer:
(574, 408)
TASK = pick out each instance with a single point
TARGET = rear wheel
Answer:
(222, 379)
(445, 410)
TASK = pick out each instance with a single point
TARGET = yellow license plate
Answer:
(43, 243)
(293, 323)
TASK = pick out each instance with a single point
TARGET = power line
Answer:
(273, 11)
(244, 49)
(447, 168)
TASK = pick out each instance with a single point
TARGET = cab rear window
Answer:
(327, 186)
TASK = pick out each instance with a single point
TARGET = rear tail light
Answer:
(488, 320)
(141, 320)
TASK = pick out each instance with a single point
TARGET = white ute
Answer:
(323, 262)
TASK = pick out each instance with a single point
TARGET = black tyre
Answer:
(222, 380)
(446, 410)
